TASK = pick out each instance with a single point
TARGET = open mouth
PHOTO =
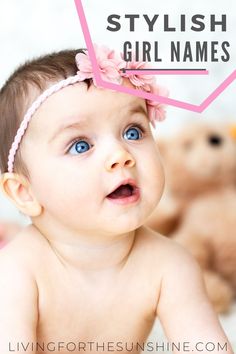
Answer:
(125, 193)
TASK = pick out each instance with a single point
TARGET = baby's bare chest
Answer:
(97, 311)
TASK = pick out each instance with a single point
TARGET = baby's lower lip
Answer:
(126, 200)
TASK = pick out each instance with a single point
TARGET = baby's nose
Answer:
(119, 159)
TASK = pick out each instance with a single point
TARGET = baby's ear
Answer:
(17, 188)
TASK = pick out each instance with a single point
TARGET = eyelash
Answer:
(138, 125)
(76, 140)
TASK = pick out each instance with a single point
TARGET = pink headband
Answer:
(111, 67)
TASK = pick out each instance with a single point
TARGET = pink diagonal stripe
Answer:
(149, 96)
(217, 91)
(88, 39)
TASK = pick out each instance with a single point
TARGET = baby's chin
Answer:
(123, 226)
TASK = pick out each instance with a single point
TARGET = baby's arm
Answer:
(18, 305)
(184, 310)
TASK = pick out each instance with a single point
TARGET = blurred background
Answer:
(29, 28)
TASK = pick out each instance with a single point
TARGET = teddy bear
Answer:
(191, 159)
(198, 209)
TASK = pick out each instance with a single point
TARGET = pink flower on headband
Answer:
(84, 65)
(139, 80)
(156, 110)
(108, 61)
(111, 67)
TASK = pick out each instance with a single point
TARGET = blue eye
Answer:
(133, 134)
(79, 147)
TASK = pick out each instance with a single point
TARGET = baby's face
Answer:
(84, 144)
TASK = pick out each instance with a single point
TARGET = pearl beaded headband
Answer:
(111, 67)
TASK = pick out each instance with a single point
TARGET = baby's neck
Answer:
(74, 250)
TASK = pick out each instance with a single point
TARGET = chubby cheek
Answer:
(152, 178)
(65, 191)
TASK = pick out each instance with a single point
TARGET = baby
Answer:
(86, 275)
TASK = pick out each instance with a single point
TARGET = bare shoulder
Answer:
(168, 261)
(16, 262)
(18, 271)
(166, 250)
(23, 252)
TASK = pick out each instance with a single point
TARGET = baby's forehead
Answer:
(85, 103)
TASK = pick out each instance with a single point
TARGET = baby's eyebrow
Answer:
(65, 127)
(137, 109)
